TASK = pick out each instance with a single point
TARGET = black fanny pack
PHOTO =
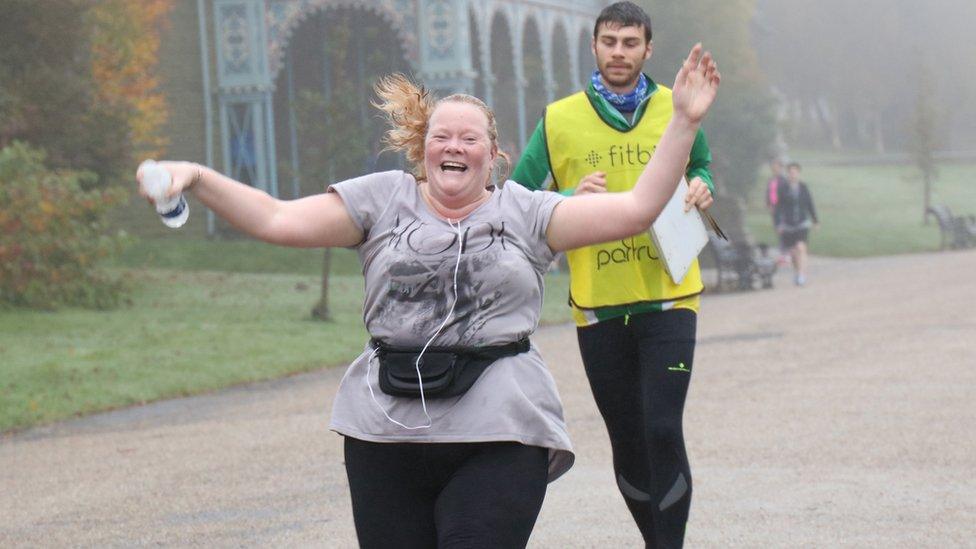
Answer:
(445, 371)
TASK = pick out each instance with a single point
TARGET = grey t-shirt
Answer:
(409, 257)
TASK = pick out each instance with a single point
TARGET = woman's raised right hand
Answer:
(184, 175)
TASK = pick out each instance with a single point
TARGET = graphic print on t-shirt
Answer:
(421, 258)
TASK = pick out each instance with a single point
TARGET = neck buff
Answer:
(626, 102)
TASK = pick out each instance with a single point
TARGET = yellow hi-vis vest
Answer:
(579, 143)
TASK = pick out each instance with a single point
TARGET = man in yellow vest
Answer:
(636, 328)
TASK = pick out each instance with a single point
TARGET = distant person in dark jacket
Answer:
(794, 215)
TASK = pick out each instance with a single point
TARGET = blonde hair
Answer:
(407, 108)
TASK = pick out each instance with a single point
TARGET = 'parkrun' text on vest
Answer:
(626, 252)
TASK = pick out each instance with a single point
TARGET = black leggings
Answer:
(485, 494)
(639, 368)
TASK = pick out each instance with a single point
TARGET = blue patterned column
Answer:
(445, 46)
(245, 93)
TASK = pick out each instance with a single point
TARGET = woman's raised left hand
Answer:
(695, 85)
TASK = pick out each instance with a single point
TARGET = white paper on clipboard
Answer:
(678, 235)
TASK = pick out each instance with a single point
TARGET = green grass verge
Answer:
(872, 210)
(238, 256)
(185, 333)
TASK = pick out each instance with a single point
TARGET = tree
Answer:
(850, 65)
(76, 80)
(48, 91)
(125, 52)
(337, 58)
(741, 126)
(53, 232)
(925, 138)
(326, 157)
(76, 100)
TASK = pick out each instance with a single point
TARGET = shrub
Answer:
(53, 232)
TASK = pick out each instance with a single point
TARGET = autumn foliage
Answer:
(78, 79)
(124, 52)
(52, 234)
(79, 104)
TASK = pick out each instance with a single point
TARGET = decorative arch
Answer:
(562, 60)
(537, 70)
(334, 56)
(505, 99)
(283, 17)
(584, 56)
(506, 10)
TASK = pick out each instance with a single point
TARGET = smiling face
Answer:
(458, 153)
(620, 54)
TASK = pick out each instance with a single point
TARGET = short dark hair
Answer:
(793, 165)
(624, 14)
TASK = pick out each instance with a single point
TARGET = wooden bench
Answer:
(956, 232)
(740, 265)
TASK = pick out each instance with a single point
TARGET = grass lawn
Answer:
(872, 210)
(185, 333)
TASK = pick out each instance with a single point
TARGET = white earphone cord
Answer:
(450, 313)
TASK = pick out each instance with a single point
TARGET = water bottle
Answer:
(156, 180)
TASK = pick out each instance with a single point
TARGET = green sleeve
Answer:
(700, 159)
(533, 166)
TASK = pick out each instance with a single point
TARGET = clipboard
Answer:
(678, 235)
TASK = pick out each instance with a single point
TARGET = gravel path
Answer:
(837, 415)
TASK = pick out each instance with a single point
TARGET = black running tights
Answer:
(462, 495)
(639, 368)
